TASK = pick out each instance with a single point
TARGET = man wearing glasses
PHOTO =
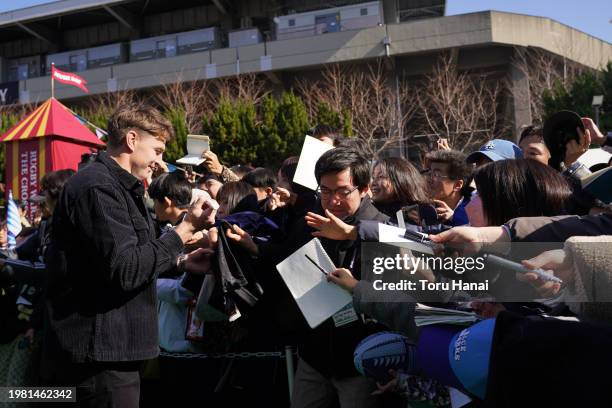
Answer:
(447, 174)
(326, 372)
(103, 260)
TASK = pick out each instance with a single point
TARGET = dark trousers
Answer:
(109, 384)
(190, 381)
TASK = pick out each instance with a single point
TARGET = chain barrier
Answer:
(256, 354)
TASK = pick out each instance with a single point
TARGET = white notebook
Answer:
(196, 145)
(311, 151)
(428, 315)
(317, 299)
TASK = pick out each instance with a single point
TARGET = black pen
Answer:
(316, 264)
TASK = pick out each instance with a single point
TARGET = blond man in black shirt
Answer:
(103, 262)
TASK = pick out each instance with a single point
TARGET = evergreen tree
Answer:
(233, 132)
(176, 147)
(272, 144)
(342, 121)
(292, 120)
(327, 116)
(578, 96)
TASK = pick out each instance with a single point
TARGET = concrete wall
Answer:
(529, 31)
(471, 33)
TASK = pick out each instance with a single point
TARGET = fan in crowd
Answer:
(115, 273)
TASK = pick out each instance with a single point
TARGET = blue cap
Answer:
(497, 149)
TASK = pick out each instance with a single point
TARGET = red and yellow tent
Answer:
(48, 139)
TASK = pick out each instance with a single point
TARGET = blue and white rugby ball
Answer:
(381, 352)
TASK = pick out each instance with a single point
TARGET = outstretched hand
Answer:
(555, 262)
(242, 238)
(330, 227)
(211, 161)
(595, 134)
(388, 387)
(200, 215)
(444, 212)
(199, 262)
(442, 144)
(280, 198)
(466, 237)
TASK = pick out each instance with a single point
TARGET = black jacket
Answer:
(103, 261)
(538, 362)
(327, 348)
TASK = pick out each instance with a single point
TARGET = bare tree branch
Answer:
(542, 69)
(191, 97)
(379, 110)
(459, 106)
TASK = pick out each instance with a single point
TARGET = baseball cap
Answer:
(497, 149)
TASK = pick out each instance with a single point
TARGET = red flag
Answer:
(68, 78)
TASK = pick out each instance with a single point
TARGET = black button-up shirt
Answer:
(103, 262)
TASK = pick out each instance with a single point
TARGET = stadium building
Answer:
(140, 44)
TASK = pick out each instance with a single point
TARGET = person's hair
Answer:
(322, 130)
(355, 143)
(458, 169)
(342, 158)
(261, 177)
(521, 188)
(289, 166)
(21, 204)
(173, 185)
(287, 170)
(409, 186)
(241, 170)
(53, 183)
(200, 180)
(207, 177)
(239, 196)
(140, 116)
(531, 130)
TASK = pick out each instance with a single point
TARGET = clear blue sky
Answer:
(591, 16)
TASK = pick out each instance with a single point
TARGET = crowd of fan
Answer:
(502, 192)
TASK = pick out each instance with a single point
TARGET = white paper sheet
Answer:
(196, 145)
(394, 235)
(317, 299)
(311, 151)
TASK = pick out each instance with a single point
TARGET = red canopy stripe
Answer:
(15, 130)
(33, 122)
(52, 119)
